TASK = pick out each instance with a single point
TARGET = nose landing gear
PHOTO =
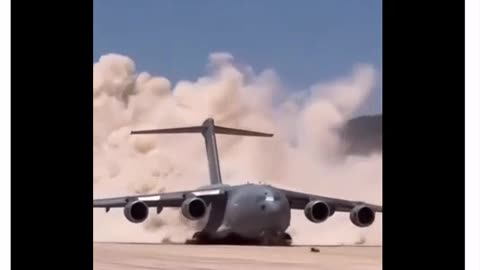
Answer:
(269, 238)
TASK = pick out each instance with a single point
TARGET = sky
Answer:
(304, 43)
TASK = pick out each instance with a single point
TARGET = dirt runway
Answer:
(119, 256)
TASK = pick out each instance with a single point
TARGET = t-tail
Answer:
(208, 130)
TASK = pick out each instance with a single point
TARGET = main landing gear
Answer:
(265, 239)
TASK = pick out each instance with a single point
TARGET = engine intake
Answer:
(362, 216)
(136, 211)
(318, 211)
(194, 208)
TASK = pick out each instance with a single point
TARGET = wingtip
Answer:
(135, 132)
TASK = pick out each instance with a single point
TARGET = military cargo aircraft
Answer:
(244, 214)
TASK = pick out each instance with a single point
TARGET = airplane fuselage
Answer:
(251, 211)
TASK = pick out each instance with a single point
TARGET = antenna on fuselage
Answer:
(208, 130)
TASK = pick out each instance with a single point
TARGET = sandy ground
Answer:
(159, 256)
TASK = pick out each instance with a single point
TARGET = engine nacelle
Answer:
(194, 208)
(318, 211)
(136, 211)
(362, 216)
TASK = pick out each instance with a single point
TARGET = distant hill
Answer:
(363, 135)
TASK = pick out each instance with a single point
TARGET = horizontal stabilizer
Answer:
(197, 129)
(200, 129)
(241, 132)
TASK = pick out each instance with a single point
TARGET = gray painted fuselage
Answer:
(248, 211)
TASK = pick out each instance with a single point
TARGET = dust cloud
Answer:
(303, 155)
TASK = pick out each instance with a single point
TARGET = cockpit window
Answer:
(268, 196)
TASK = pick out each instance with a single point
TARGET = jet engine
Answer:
(318, 211)
(136, 211)
(362, 216)
(194, 208)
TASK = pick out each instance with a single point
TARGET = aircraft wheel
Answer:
(286, 239)
(275, 239)
(268, 238)
(199, 238)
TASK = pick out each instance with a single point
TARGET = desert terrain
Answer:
(123, 256)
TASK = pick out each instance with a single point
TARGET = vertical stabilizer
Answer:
(212, 151)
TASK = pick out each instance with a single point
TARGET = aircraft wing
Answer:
(167, 199)
(299, 200)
